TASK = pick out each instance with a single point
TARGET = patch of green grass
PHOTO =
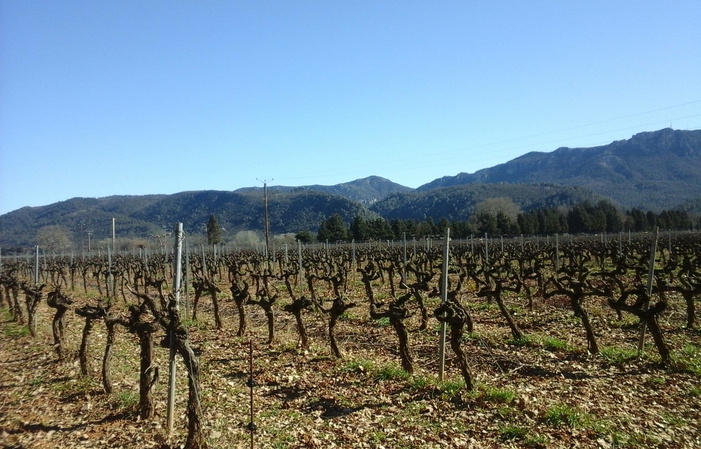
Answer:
(5, 314)
(635, 441)
(536, 441)
(673, 420)
(451, 387)
(79, 385)
(506, 412)
(270, 412)
(194, 324)
(472, 336)
(523, 341)
(516, 310)
(391, 372)
(384, 322)
(38, 381)
(15, 330)
(616, 355)
(360, 365)
(378, 436)
(486, 305)
(688, 359)
(510, 432)
(658, 380)
(695, 391)
(419, 382)
(554, 344)
(126, 400)
(447, 388)
(498, 395)
(562, 414)
(627, 322)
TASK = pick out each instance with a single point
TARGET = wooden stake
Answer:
(650, 279)
(444, 299)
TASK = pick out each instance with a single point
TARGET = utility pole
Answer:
(267, 227)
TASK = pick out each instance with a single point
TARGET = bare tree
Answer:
(54, 238)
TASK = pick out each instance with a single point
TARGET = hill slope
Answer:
(653, 170)
(143, 216)
(458, 202)
(365, 190)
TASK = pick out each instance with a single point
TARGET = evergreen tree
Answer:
(379, 229)
(213, 231)
(359, 228)
(332, 229)
(304, 236)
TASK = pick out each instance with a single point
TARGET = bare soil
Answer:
(543, 392)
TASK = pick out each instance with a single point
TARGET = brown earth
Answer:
(545, 391)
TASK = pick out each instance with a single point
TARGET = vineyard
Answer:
(569, 342)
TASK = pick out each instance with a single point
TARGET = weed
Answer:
(536, 441)
(505, 412)
(194, 324)
(562, 414)
(378, 436)
(384, 322)
(554, 344)
(673, 420)
(499, 395)
(513, 432)
(354, 366)
(658, 380)
(632, 441)
(16, 331)
(5, 315)
(79, 385)
(126, 400)
(695, 391)
(38, 381)
(472, 336)
(522, 342)
(419, 382)
(688, 360)
(516, 310)
(616, 355)
(627, 322)
(451, 387)
(391, 372)
(486, 305)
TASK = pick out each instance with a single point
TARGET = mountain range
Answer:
(650, 171)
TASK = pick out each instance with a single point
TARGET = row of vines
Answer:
(389, 284)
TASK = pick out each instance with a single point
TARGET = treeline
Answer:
(585, 217)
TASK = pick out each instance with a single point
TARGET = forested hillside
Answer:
(652, 170)
(458, 202)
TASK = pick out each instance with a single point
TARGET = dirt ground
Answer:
(545, 391)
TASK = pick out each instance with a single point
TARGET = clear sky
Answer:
(102, 98)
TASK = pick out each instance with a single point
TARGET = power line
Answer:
(402, 164)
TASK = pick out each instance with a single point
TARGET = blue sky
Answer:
(102, 98)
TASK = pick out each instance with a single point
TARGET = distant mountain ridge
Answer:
(652, 170)
(365, 190)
